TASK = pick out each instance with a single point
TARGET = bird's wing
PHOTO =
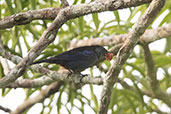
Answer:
(76, 55)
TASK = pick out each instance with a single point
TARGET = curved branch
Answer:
(5, 109)
(51, 13)
(147, 37)
(5, 65)
(151, 73)
(15, 59)
(132, 88)
(51, 89)
(133, 36)
(4, 61)
(27, 17)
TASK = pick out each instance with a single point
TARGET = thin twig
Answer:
(51, 89)
(151, 75)
(4, 61)
(5, 65)
(5, 109)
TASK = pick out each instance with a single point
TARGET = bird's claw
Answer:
(82, 76)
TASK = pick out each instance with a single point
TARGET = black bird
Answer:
(78, 59)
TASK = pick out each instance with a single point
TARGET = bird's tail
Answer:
(41, 61)
(50, 60)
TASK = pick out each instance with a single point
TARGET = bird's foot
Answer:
(82, 76)
(69, 74)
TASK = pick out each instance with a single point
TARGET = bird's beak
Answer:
(109, 56)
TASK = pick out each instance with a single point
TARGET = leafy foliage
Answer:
(19, 39)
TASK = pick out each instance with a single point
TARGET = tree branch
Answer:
(151, 76)
(51, 13)
(28, 17)
(55, 76)
(150, 94)
(4, 61)
(51, 89)
(147, 37)
(133, 36)
(150, 68)
(15, 59)
(5, 65)
(5, 109)
(132, 88)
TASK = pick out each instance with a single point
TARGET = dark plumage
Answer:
(78, 59)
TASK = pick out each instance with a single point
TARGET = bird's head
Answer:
(103, 53)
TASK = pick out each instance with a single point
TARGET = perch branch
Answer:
(49, 35)
(52, 77)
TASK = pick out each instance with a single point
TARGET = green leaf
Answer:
(116, 13)
(135, 67)
(162, 60)
(166, 19)
(94, 98)
(1, 71)
(51, 3)
(136, 10)
(9, 3)
(96, 20)
(59, 101)
(0, 12)
(33, 4)
(114, 98)
(81, 24)
(5, 91)
(131, 103)
(75, 2)
(34, 33)
(18, 5)
(139, 92)
(168, 45)
(29, 92)
(25, 41)
(82, 1)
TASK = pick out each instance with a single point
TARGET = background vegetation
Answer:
(132, 94)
